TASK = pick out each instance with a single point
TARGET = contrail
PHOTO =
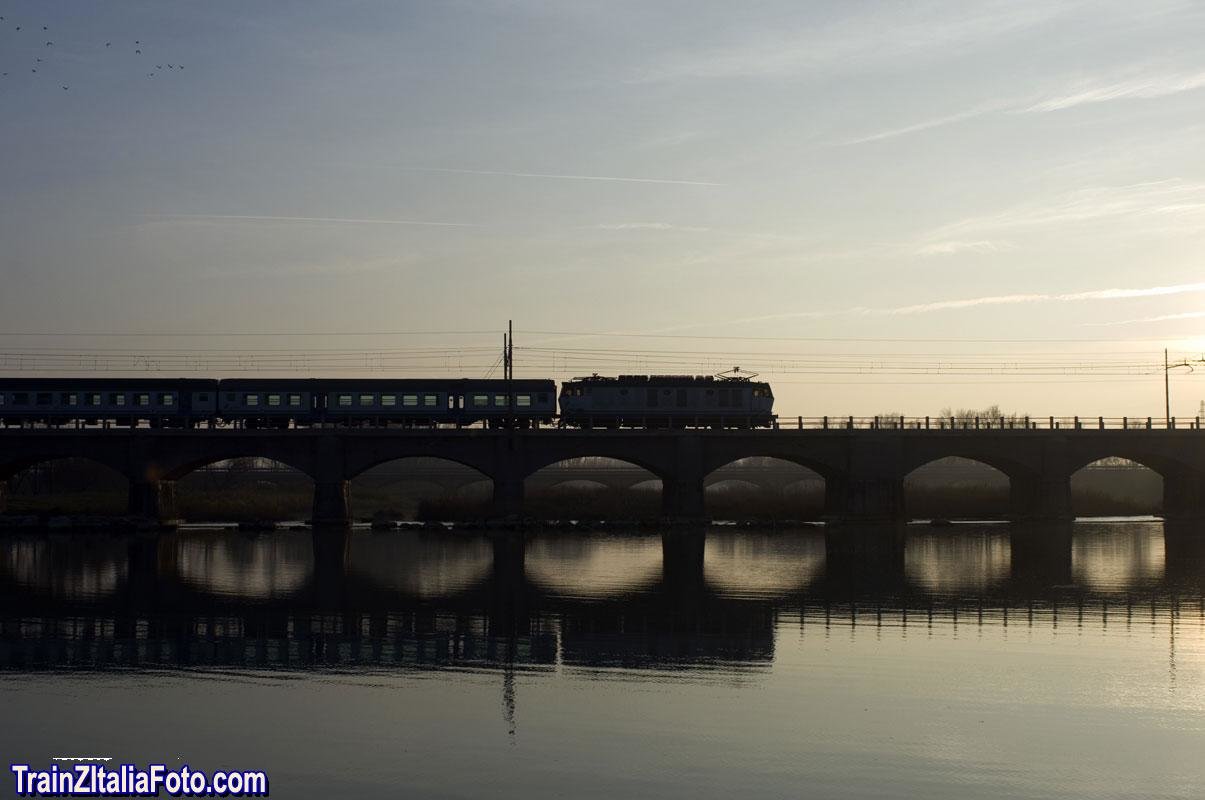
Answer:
(970, 302)
(262, 218)
(1160, 318)
(559, 177)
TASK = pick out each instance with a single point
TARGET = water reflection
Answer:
(593, 566)
(249, 567)
(424, 565)
(749, 563)
(65, 567)
(1115, 558)
(966, 561)
(433, 598)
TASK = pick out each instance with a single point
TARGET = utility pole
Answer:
(510, 371)
(1167, 395)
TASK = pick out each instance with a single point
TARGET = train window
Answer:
(430, 400)
(71, 399)
(92, 399)
(167, 399)
(481, 400)
(500, 401)
(274, 400)
(21, 398)
(44, 398)
(295, 401)
(344, 400)
(389, 400)
(410, 400)
(142, 399)
(231, 397)
(117, 399)
(523, 400)
(251, 400)
(367, 400)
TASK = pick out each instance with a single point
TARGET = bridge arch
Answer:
(960, 486)
(158, 470)
(63, 484)
(14, 465)
(591, 487)
(757, 487)
(421, 487)
(248, 489)
(1115, 486)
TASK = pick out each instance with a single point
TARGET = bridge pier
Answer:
(1183, 495)
(682, 561)
(508, 495)
(1041, 553)
(874, 499)
(682, 497)
(682, 489)
(153, 499)
(332, 503)
(1045, 497)
(332, 552)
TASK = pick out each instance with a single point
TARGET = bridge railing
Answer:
(779, 422)
(963, 423)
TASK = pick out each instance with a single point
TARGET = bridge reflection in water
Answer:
(295, 600)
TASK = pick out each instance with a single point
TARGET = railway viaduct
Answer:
(864, 470)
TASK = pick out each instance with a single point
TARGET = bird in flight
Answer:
(108, 44)
(64, 88)
(139, 52)
(49, 43)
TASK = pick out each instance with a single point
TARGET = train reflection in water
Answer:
(292, 600)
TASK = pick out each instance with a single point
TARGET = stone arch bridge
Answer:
(864, 470)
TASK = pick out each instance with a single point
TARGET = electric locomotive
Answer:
(728, 400)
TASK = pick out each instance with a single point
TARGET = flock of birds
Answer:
(48, 48)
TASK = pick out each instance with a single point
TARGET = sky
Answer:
(883, 207)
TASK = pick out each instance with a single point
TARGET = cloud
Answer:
(856, 41)
(1139, 88)
(1144, 88)
(937, 122)
(558, 177)
(953, 247)
(990, 300)
(323, 220)
(1172, 200)
(650, 226)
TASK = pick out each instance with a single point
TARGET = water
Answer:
(984, 661)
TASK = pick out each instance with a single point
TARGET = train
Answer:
(643, 401)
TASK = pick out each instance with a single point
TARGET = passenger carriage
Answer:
(130, 402)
